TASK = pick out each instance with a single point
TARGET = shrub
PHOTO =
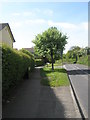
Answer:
(84, 60)
(39, 62)
(14, 67)
(27, 52)
(32, 63)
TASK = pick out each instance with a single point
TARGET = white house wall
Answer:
(5, 37)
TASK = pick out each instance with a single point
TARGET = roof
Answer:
(4, 25)
(30, 49)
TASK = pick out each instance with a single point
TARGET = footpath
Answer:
(32, 100)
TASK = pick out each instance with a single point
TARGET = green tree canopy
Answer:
(51, 42)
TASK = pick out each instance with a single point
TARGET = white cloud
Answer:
(33, 13)
(37, 10)
(25, 14)
(23, 38)
(15, 25)
(18, 24)
(85, 25)
(48, 12)
(62, 25)
(28, 13)
(65, 25)
(16, 14)
(33, 22)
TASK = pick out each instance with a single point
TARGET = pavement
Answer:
(32, 100)
(78, 75)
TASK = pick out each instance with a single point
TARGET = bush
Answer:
(39, 62)
(84, 60)
(26, 52)
(32, 65)
(14, 66)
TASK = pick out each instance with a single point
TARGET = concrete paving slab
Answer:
(32, 100)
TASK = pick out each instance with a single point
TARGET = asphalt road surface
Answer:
(78, 75)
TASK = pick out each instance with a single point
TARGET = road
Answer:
(78, 75)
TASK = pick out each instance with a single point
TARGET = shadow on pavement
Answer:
(49, 105)
(31, 100)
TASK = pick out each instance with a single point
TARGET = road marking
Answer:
(77, 68)
(82, 70)
(69, 66)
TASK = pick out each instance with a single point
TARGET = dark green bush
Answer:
(31, 56)
(27, 52)
(39, 62)
(14, 66)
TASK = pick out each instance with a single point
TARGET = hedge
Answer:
(39, 62)
(31, 56)
(14, 66)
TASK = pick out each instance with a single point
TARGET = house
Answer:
(6, 35)
(30, 50)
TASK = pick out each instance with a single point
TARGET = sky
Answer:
(27, 19)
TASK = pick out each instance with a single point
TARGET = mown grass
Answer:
(55, 78)
(57, 63)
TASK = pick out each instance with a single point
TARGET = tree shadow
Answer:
(49, 105)
(46, 79)
(79, 72)
(32, 100)
(55, 70)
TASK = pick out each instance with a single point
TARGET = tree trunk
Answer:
(62, 57)
(52, 59)
(62, 61)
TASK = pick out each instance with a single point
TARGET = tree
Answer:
(51, 42)
(74, 53)
(87, 50)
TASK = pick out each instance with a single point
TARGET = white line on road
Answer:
(77, 68)
(81, 70)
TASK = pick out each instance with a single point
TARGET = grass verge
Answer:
(55, 78)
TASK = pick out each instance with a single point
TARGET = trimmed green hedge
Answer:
(39, 62)
(32, 63)
(14, 66)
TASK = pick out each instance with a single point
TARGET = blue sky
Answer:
(27, 19)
